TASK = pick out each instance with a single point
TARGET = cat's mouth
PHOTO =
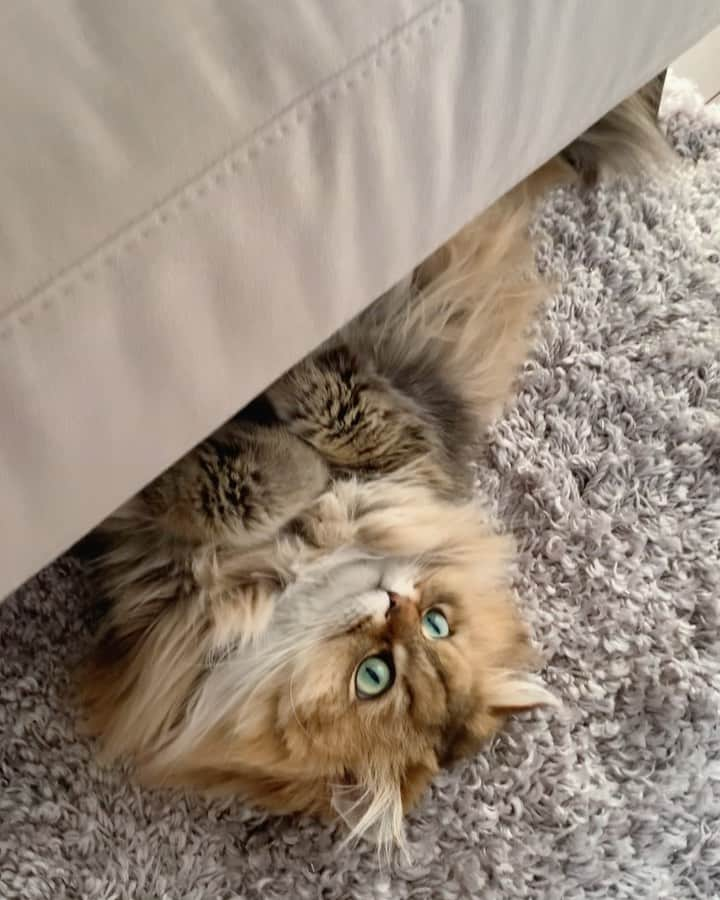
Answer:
(392, 592)
(353, 590)
(374, 604)
(400, 580)
(385, 606)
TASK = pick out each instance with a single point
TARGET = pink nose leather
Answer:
(403, 613)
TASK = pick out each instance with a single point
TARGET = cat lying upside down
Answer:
(311, 609)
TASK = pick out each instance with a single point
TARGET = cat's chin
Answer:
(338, 592)
(372, 604)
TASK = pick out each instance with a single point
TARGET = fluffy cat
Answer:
(311, 609)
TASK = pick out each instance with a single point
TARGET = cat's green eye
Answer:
(435, 625)
(374, 676)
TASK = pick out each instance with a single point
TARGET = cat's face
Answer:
(332, 672)
(418, 678)
(388, 671)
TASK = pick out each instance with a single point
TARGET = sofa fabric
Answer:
(196, 194)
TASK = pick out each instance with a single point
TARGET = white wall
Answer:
(701, 64)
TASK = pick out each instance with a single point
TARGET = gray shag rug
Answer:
(608, 470)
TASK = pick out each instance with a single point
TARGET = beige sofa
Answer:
(195, 194)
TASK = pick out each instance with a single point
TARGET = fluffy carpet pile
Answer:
(607, 468)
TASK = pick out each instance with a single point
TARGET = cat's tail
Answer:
(469, 306)
(625, 141)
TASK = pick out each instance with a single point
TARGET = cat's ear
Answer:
(505, 693)
(508, 692)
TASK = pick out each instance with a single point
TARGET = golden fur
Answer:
(246, 585)
(295, 738)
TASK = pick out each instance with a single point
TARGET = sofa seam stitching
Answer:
(232, 164)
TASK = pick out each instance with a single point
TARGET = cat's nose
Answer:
(396, 600)
(402, 609)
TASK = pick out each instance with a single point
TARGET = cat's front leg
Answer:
(244, 483)
(351, 415)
